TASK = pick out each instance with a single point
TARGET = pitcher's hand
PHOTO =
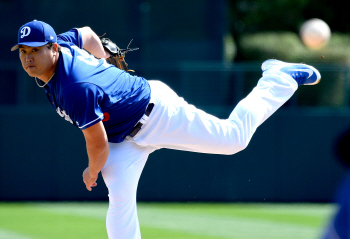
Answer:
(89, 180)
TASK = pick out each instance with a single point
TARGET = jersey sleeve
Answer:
(82, 104)
(72, 36)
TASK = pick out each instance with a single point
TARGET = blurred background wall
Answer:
(209, 52)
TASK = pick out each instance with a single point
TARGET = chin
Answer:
(31, 74)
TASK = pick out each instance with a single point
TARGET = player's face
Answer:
(36, 61)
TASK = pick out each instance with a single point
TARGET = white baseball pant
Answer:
(175, 124)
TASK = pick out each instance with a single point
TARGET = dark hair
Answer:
(50, 44)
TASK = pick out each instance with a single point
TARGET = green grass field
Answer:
(167, 220)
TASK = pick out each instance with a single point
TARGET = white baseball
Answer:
(315, 33)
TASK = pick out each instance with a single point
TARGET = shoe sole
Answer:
(268, 63)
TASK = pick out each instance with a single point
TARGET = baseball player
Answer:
(124, 118)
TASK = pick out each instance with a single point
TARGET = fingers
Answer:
(89, 182)
(90, 186)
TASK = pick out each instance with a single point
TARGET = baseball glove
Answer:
(117, 54)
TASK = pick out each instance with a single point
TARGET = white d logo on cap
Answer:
(25, 31)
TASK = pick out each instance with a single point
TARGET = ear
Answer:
(55, 49)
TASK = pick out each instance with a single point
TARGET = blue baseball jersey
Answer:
(85, 90)
(339, 227)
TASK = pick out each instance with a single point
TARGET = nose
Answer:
(29, 58)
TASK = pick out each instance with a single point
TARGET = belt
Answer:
(142, 121)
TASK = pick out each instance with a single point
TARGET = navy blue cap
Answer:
(34, 34)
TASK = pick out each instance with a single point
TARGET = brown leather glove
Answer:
(117, 54)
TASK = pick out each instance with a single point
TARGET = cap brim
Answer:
(31, 44)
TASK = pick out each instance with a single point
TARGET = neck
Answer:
(47, 77)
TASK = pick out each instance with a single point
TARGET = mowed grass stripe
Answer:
(97, 210)
(313, 215)
(4, 234)
(224, 220)
(226, 227)
(276, 208)
(156, 233)
(183, 221)
(26, 219)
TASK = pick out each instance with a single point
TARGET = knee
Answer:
(122, 197)
(234, 147)
(121, 188)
